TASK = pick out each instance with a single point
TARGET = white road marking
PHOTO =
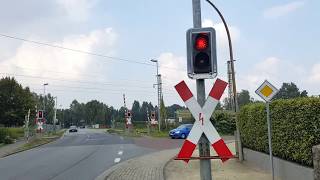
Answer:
(116, 160)
(120, 152)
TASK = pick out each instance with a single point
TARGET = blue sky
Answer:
(274, 40)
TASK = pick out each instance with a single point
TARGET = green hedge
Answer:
(224, 121)
(10, 133)
(295, 128)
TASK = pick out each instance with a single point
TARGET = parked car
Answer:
(82, 127)
(73, 129)
(181, 132)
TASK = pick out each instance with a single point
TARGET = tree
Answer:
(136, 111)
(171, 110)
(163, 115)
(290, 90)
(244, 98)
(15, 101)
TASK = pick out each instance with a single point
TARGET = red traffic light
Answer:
(201, 42)
(40, 114)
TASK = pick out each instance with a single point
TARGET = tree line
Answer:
(16, 101)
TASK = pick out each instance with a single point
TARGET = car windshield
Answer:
(182, 126)
(73, 127)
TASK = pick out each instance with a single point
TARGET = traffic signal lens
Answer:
(201, 63)
(201, 42)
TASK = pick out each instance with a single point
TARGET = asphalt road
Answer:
(79, 156)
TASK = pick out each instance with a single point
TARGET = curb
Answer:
(36, 146)
(109, 171)
(164, 167)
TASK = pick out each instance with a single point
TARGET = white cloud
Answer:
(315, 74)
(45, 59)
(221, 33)
(284, 9)
(278, 71)
(266, 69)
(77, 10)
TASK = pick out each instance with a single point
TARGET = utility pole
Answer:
(55, 114)
(159, 91)
(44, 103)
(204, 145)
(230, 92)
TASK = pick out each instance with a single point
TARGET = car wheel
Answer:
(183, 136)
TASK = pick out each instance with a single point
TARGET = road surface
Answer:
(79, 156)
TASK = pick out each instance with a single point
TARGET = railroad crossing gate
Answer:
(128, 116)
(266, 91)
(153, 118)
(202, 123)
(39, 123)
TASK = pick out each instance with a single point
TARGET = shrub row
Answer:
(224, 121)
(295, 128)
(8, 134)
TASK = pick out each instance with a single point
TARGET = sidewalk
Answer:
(7, 149)
(230, 170)
(159, 166)
(143, 168)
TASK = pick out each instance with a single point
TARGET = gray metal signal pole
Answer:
(204, 145)
(269, 139)
(159, 87)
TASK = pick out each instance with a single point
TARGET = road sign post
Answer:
(267, 91)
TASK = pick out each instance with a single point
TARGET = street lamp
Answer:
(44, 95)
(234, 89)
(159, 91)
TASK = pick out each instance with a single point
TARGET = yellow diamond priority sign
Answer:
(266, 91)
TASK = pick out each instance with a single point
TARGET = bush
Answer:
(295, 128)
(3, 134)
(12, 133)
(8, 140)
(224, 121)
(16, 133)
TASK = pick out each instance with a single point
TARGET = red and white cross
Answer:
(202, 123)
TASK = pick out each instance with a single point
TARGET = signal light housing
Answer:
(201, 53)
(40, 114)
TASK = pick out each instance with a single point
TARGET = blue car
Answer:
(181, 132)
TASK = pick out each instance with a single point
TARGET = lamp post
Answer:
(44, 96)
(159, 84)
(234, 88)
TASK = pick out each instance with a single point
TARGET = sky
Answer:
(273, 40)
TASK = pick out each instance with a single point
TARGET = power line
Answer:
(80, 82)
(64, 80)
(84, 52)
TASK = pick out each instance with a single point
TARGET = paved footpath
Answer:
(7, 149)
(159, 166)
(148, 167)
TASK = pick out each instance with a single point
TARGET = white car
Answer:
(73, 129)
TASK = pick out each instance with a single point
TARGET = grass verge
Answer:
(38, 141)
(139, 132)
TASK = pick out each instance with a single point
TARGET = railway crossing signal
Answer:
(201, 53)
(202, 123)
(40, 114)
